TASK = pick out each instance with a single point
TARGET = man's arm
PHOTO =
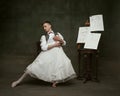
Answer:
(57, 44)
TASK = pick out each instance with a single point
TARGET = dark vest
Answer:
(47, 36)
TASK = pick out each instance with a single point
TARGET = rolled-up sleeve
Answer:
(64, 42)
(43, 44)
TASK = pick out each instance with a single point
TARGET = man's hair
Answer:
(47, 22)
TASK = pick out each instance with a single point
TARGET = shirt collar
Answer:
(50, 32)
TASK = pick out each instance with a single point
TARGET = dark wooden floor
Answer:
(12, 67)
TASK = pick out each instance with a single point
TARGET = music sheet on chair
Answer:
(96, 23)
(92, 41)
(82, 33)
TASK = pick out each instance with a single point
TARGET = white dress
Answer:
(53, 64)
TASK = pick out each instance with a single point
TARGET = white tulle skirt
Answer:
(52, 65)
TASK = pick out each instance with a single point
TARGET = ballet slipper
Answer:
(14, 84)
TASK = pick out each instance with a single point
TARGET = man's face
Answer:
(46, 27)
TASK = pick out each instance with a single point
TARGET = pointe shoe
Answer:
(14, 84)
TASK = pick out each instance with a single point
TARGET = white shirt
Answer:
(44, 44)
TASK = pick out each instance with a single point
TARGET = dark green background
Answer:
(20, 27)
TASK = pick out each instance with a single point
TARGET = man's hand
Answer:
(57, 38)
(57, 44)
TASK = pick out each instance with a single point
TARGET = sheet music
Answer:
(96, 23)
(82, 33)
(92, 40)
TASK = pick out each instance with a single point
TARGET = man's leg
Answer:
(54, 84)
(15, 83)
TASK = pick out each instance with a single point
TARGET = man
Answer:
(52, 64)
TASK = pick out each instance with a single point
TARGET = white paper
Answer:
(96, 23)
(92, 41)
(82, 33)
